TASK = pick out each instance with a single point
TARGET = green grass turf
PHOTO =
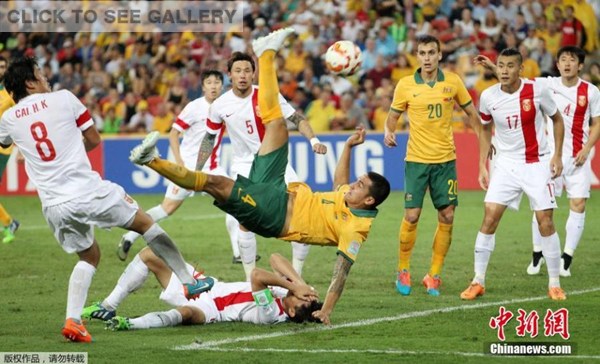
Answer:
(34, 273)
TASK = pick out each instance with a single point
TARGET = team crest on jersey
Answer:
(581, 100)
(526, 104)
(447, 90)
(354, 248)
(408, 197)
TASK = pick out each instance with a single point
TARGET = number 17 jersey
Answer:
(47, 128)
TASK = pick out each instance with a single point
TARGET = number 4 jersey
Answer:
(47, 128)
(518, 120)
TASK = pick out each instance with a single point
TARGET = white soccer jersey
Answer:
(244, 125)
(518, 119)
(577, 104)
(192, 123)
(47, 127)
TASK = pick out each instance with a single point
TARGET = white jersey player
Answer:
(524, 164)
(579, 102)
(191, 122)
(269, 298)
(48, 128)
(237, 110)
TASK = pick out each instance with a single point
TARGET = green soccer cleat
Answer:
(97, 311)
(9, 232)
(118, 323)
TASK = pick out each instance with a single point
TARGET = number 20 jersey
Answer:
(47, 128)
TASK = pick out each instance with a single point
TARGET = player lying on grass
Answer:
(265, 205)
(269, 298)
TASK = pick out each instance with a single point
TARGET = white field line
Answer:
(388, 352)
(215, 343)
(184, 218)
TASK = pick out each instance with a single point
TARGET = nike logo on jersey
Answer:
(415, 95)
(228, 115)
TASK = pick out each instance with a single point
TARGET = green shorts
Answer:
(259, 203)
(440, 178)
(3, 162)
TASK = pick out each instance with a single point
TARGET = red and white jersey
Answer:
(519, 120)
(244, 125)
(577, 104)
(47, 128)
(192, 123)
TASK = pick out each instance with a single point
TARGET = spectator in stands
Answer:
(260, 28)
(507, 12)
(68, 54)
(163, 120)
(595, 73)
(552, 36)
(544, 59)
(481, 9)
(530, 67)
(112, 122)
(349, 116)
(385, 44)
(295, 62)
(176, 92)
(142, 120)
(69, 79)
(369, 55)
(383, 102)
(321, 111)
(97, 80)
(491, 26)
(379, 72)
(193, 85)
(466, 23)
(571, 29)
(401, 68)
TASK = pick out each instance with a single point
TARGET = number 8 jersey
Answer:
(47, 128)
(518, 120)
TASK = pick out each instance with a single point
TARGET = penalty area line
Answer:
(367, 322)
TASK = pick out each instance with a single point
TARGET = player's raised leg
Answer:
(157, 213)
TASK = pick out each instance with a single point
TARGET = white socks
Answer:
(156, 319)
(299, 253)
(79, 284)
(574, 227)
(162, 245)
(132, 278)
(157, 213)
(551, 251)
(247, 242)
(233, 228)
(536, 237)
(484, 246)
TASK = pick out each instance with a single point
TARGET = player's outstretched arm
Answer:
(261, 279)
(206, 148)
(284, 268)
(342, 171)
(306, 130)
(340, 274)
(91, 138)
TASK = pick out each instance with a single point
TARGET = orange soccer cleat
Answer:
(473, 291)
(76, 332)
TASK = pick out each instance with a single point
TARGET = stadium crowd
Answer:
(138, 82)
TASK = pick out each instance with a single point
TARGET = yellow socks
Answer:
(441, 245)
(5, 218)
(268, 92)
(180, 175)
(408, 237)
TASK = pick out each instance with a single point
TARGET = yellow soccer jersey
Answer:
(6, 102)
(324, 219)
(429, 107)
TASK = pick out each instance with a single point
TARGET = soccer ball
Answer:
(343, 58)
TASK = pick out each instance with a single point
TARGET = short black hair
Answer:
(304, 313)
(240, 56)
(380, 188)
(572, 50)
(18, 73)
(2, 59)
(206, 74)
(424, 39)
(511, 52)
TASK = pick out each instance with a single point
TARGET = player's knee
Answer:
(191, 315)
(446, 215)
(577, 205)
(546, 226)
(411, 217)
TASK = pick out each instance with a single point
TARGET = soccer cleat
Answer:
(9, 231)
(273, 40)
(202, 285)
(557, 294)
(97, 311)
(473, 291)
(565, 265)
(123, 248)
(76, 332)
(432, 284)
(145, 152)
(537, 261)
(238, 260)
(118, 323)
(403, 283)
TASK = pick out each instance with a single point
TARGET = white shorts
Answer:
(577, 181)
(510, 179)
(244, 170)
(175, 192)
(72, 222)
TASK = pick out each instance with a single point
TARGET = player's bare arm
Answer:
(340, 275)
(306, 130)
(282, 266)
(485, 142)
(91, 138)
(261, 279)
(485, 62)
(206, 148)
(559, 134)
(174, 136)
(342, 170)
(475, 123)
(390, 128)
(584, 153)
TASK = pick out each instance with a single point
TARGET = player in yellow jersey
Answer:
(10, 225)
(428, 97)
(263, 204)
